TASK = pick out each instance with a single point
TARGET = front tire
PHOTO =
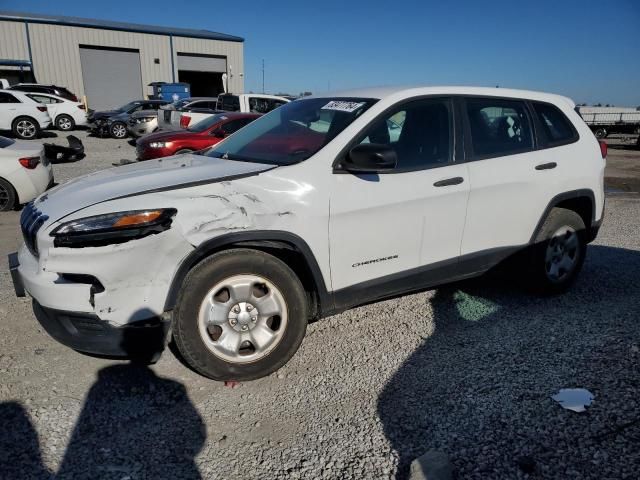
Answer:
(25, 128)
(241, 314)
(118, 130)
(8, 197)
(65, 123)
(559, 251)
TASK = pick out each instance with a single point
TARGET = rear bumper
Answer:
(87, 333)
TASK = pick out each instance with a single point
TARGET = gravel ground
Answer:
(467, 369)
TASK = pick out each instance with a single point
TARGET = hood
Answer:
(167, 136)
(122, 116)
(103, 114)
(179, 171)
(145, 113)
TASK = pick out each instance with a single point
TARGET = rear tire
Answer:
(25, 128)
(65, 123)
(241, 314)
(559, 251)
(8, 196)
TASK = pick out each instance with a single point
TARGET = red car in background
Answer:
(202, 135)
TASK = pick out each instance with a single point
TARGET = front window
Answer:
(293, 132)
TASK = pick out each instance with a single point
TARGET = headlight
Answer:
(112, 228)
(144, 119)
(159, 144)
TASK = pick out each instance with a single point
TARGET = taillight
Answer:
(29, 162)
(184, 121)
(81, 106)
(73, 98)
(603, 148)
(42, 109)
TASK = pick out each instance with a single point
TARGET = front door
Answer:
(387, 223)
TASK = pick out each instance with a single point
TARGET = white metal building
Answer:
(112, 62)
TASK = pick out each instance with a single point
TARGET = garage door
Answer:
(201, 63)
(111, 76)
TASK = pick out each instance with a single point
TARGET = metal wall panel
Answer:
(201, 64)
(56, 53)
(13, 41)
(232, 50)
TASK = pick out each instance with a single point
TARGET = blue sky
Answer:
(588, 50)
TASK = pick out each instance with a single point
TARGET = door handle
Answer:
(546, 166)
(449, 181)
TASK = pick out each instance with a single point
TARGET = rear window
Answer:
(498, 127)
(556, 127)
(229, 103)
(5, 142)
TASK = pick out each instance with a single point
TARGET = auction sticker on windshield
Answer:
(343, 106)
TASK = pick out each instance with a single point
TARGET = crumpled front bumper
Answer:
(86, 332)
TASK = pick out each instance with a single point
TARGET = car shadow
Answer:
(501, 341)
(133, 424)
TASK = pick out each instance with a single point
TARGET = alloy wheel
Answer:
(119, 131)
(26, 129)
(64, 123)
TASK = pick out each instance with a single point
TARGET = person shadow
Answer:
(474, 383)
(133, 424)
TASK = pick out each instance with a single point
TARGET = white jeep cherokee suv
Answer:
(324, 204)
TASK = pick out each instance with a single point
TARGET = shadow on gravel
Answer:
(479, 388)
(133, 424)
(19, 449)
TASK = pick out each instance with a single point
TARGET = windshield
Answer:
(207, 123)
(181, 103)
(292, 133)
(127, 107)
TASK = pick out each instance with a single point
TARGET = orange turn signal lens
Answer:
(138, 218)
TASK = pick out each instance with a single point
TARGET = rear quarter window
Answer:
(556, 128)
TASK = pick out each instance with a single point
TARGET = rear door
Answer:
(511, 183)
(9, 106)
(409, 218)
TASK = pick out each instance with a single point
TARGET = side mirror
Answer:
(219, 133)
(370, 158)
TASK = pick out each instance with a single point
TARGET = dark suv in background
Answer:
(50, 89)
(114, 122)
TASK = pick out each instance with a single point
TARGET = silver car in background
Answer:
(143, 122)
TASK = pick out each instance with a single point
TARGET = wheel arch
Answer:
(15, 190)
(582, 201)
(288, 247)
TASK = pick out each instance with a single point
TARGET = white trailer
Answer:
(606, 120)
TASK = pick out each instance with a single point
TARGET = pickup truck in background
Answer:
(605, 120)
(169, 115)
(243, 103)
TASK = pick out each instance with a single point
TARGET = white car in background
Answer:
(65, 114)
(25, 172)
(22, 115)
